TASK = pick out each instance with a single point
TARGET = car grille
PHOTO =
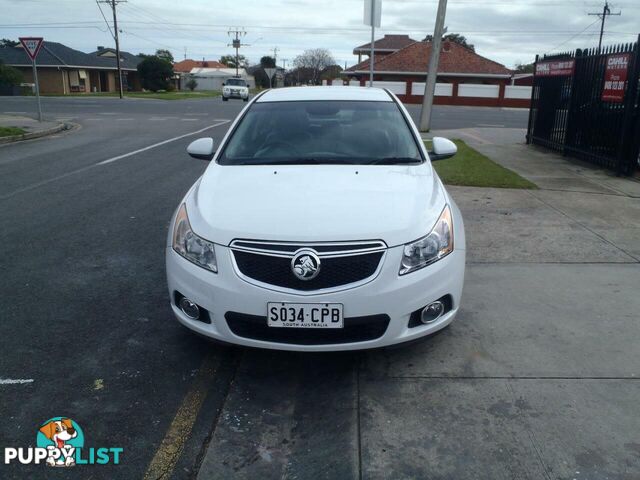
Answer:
(356, 329)
(341, 264)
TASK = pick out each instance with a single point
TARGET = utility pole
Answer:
(275, 55)
(606, 11)
(432, 73)
(113, 4)
(236, 43)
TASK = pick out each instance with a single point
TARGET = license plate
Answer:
(305, 315)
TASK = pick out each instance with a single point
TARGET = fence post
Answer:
(533, 89)
(626, 135)
(568, 136)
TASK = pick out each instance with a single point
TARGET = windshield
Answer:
(238, 82)
(336, 132)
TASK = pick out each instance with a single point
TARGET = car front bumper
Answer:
(387, 294)
(241, 95)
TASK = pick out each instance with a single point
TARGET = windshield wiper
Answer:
(393, 161)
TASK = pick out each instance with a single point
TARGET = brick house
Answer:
(384, 46)
(185, 66)
(464, 77)
(63, 70)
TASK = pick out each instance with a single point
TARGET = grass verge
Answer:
(176, 95)
(473, 169)
(11, 131)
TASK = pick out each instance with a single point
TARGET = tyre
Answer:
(225, 99)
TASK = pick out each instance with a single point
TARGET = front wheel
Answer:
(225, 99)
(246, 99)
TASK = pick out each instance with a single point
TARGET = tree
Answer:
(164, 54)
(5, 42)
(155, 73)
(315, 60)
(230, 61)
(191, 84)
(10, 76)
(524, 67)
(268, 62)
(455, 38)
(331, 72)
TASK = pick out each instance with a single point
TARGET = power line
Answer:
(237, 43)
(113, 4)
(606, 12)
(574, 36)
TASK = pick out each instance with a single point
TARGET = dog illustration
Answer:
(59, 432)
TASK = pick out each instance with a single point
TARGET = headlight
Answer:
(429, 249)
(191, 246)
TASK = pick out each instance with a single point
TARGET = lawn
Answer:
(175, 95)
(11, 131)
(471, 168)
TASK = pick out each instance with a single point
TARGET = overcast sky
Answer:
(507, 31)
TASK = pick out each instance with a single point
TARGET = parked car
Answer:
(235, 88)
(319, 225)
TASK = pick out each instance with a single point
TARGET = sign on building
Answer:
(615, 77)
(555, 68)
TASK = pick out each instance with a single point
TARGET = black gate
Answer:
(586, 104)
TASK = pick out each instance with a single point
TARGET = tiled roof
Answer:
(185, 66)
(388, 42)
(454, 58)
(59, 55)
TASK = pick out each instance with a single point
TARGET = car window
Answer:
(236, 82)
(338, 132)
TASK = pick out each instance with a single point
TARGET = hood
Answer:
(315, 203)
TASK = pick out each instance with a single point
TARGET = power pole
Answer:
(236, 43)
(275, 56)
(113, 4)
(606, 11)
(432, 73)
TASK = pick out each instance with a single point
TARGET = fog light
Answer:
(189, 308)
(432, 312)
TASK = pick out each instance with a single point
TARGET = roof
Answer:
(388, 43)
(187, 65)
(218, 72)
(454, 59)
(298, 94)
(126, 59)
(55, 54)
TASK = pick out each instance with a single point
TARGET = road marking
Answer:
(123, 119)
(15, 381)
(107, 113)
(120, 157)
(14, 112)
(93, 119)
(109, 160)
(489, 125)
(168, 454)
(188, 119)
(203, 114)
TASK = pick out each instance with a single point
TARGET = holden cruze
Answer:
(318, 225)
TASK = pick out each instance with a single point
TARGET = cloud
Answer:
(503, 30)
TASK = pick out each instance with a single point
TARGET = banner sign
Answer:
(555, 68)
(615, 77)
(31, 45)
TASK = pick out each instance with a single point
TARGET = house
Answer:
(213, 78)
(464, 77)
(63, 70)
(384, 46)
(186, 65)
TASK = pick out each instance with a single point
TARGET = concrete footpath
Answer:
(32, 127)
(538, 377)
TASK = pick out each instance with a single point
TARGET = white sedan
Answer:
(319, 225)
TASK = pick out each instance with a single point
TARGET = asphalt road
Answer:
(87, 331)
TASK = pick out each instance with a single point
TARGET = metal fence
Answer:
(586, 104)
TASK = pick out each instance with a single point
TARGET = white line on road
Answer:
(123, 119)
(203, 114)
(188, 119)
(107, 113)
(94, 119)
(15, 381)
(489, 125)
(110, 160)
(120, 157)
(14, 112)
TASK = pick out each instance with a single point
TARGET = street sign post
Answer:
(372, 17)
(270, 72)
(32, 46)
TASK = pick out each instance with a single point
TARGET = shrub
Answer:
(155, 73)
(191, 84)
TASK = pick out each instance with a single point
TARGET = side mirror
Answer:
(202, 148)
(442, 148)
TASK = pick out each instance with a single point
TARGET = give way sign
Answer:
(32, 46)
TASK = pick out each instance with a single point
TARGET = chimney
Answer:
(100, 48)
(446, 46)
